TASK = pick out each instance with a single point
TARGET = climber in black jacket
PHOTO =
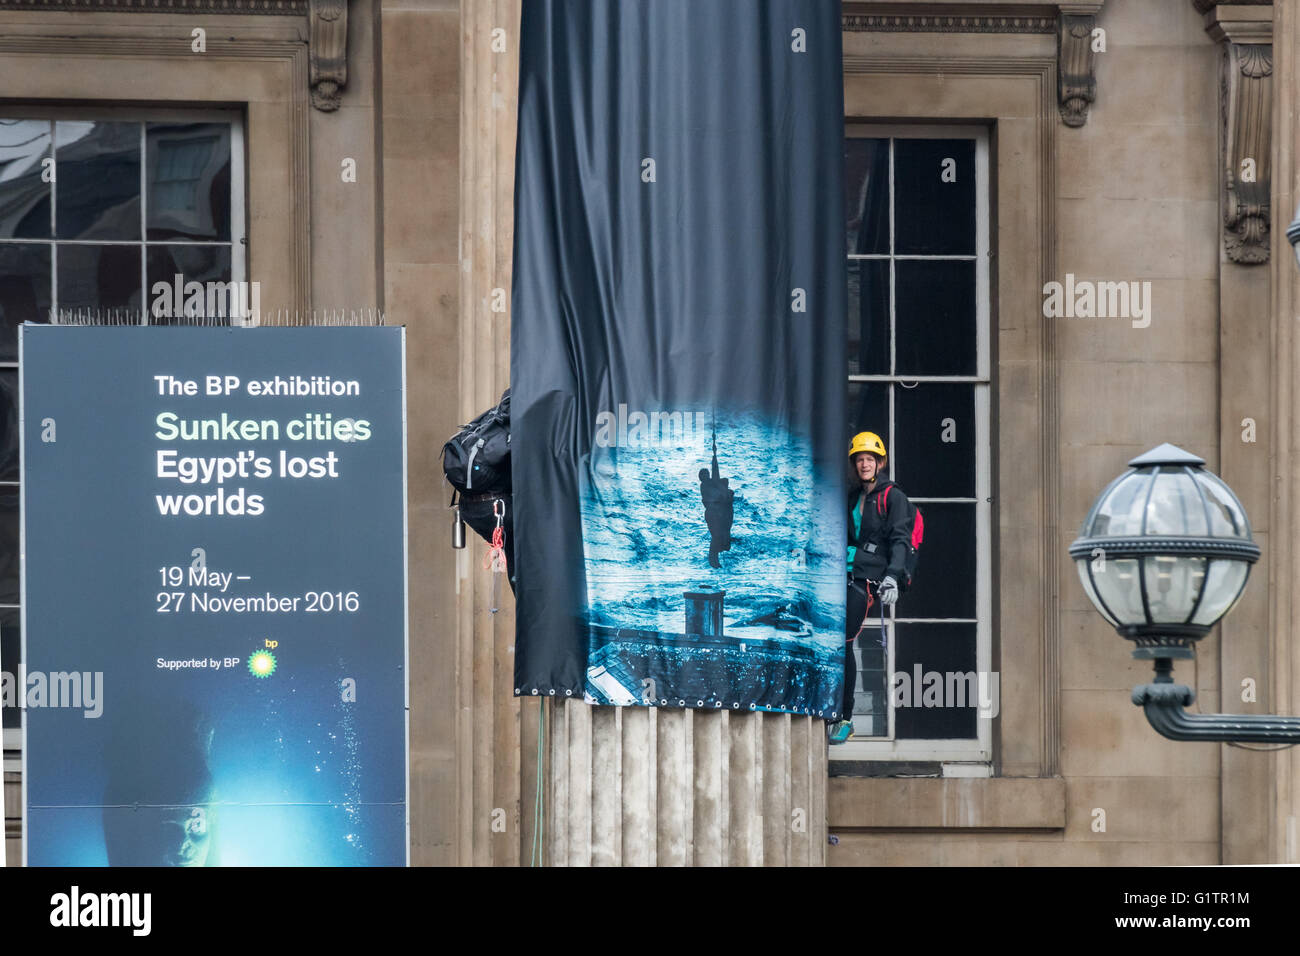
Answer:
(880, 537)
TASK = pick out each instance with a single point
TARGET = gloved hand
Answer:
(888, 590)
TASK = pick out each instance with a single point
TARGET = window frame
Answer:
(238, 192)
(976, 753)
(14, 738)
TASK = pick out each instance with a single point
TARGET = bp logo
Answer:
(261, 664)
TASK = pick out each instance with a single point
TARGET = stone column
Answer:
(1246, 437)
(635, 785)
(1284, 578)
(416, 95)
(496, 733)
(648, 786)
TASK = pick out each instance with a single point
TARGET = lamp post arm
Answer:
(1164, 705)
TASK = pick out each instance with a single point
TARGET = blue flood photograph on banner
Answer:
(708, 576)
(214, 596)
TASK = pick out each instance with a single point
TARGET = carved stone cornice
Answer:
(1073, 23)
(1239, 22)
(946, 23)
(1204, 6)
(327, 29)
(329, 52)
(1076, 79)
(279, 8)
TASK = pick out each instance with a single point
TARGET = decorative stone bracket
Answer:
(329, 52)
(1076, 79)
(1246, 86)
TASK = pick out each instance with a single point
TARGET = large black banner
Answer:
(677, 354)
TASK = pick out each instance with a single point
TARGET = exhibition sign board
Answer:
(214, 596)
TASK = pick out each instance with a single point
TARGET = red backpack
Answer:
(918, 534)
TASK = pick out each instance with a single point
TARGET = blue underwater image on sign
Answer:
(708, 579)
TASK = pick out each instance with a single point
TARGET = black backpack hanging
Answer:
(476, 460)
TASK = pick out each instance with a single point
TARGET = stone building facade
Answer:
(378, 169)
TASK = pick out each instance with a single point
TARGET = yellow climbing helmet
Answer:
(867, 441)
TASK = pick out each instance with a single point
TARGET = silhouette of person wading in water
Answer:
(718, 511)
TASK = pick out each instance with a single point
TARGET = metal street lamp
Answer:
(1163, 555)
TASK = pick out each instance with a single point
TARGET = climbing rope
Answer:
(538, 816)
(871, 601)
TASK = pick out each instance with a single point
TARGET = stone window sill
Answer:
(894, 803)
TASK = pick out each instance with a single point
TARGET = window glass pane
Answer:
(935, 441)
(24, 193)
(868, 412)
(944, 585)
(98, 167)
(8, 424)
(869, 317)
(934, 215)
(24, 291)
(8, 544)
(189, 180)
(935, 309)
(100, 278)
(936, 688)
(866, 183)
(871, 696)
(10, 653)
(193, 264)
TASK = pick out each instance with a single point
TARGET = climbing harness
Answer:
(871, 600)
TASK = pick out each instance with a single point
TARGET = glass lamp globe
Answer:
(1165, 552)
